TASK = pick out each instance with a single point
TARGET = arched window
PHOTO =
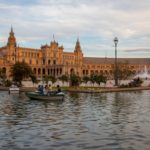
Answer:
(71, 71)
(43, 71)
(49, 62)
(83, 72)
(4, 70)
(39, 71)
(34, 70)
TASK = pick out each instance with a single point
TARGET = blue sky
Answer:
(95, 22)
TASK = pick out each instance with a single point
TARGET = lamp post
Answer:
(42, 67)
(116, 65)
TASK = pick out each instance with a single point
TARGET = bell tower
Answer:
(78, 57)
(78, 47)
(11, 39)
(11, 47)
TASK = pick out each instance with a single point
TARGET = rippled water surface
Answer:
(116, 121)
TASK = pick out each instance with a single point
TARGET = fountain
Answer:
(144, 74)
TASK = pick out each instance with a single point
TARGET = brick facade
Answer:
(53, 60)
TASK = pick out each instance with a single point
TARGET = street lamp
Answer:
(42, 65)
(116, 65)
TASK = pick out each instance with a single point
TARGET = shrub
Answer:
(135, 82)
(7, 83)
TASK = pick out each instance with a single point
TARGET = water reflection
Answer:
(82, 121)
(13, 109)
(121, 105)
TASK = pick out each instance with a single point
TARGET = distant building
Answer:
(53, 60)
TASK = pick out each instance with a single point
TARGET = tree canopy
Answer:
(123, 71)
(98, 78)
(64, 78)
(74, 80)
(19, 71)
(85, 79)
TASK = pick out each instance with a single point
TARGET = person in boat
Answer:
(38, 89)
(49, 89)
(45, 90)
(58, 89)
(41, 89)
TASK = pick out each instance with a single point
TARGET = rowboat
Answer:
(51, 96)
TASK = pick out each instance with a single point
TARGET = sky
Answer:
(95, 22)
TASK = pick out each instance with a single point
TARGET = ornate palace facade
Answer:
(53, 60)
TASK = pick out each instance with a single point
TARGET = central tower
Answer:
(78, 57)
(11, 39)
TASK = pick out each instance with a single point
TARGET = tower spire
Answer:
(11, 38)
(77, 46)
(53, 37)
(11, 29)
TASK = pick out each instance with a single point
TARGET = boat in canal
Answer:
(14, 89)
(51, 96)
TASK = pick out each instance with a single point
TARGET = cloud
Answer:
(101, 20)
(138, 50)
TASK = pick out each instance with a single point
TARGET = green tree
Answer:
(46, 78)
(19, 71)
(2, 74)
(7, 83)
(64, 78)
(123, 71)
(93, 78)
(33, 79)
(100, 79)
(85, 79)
(74, 80)
(52, 79)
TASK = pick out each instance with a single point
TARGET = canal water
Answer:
(108, 121)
